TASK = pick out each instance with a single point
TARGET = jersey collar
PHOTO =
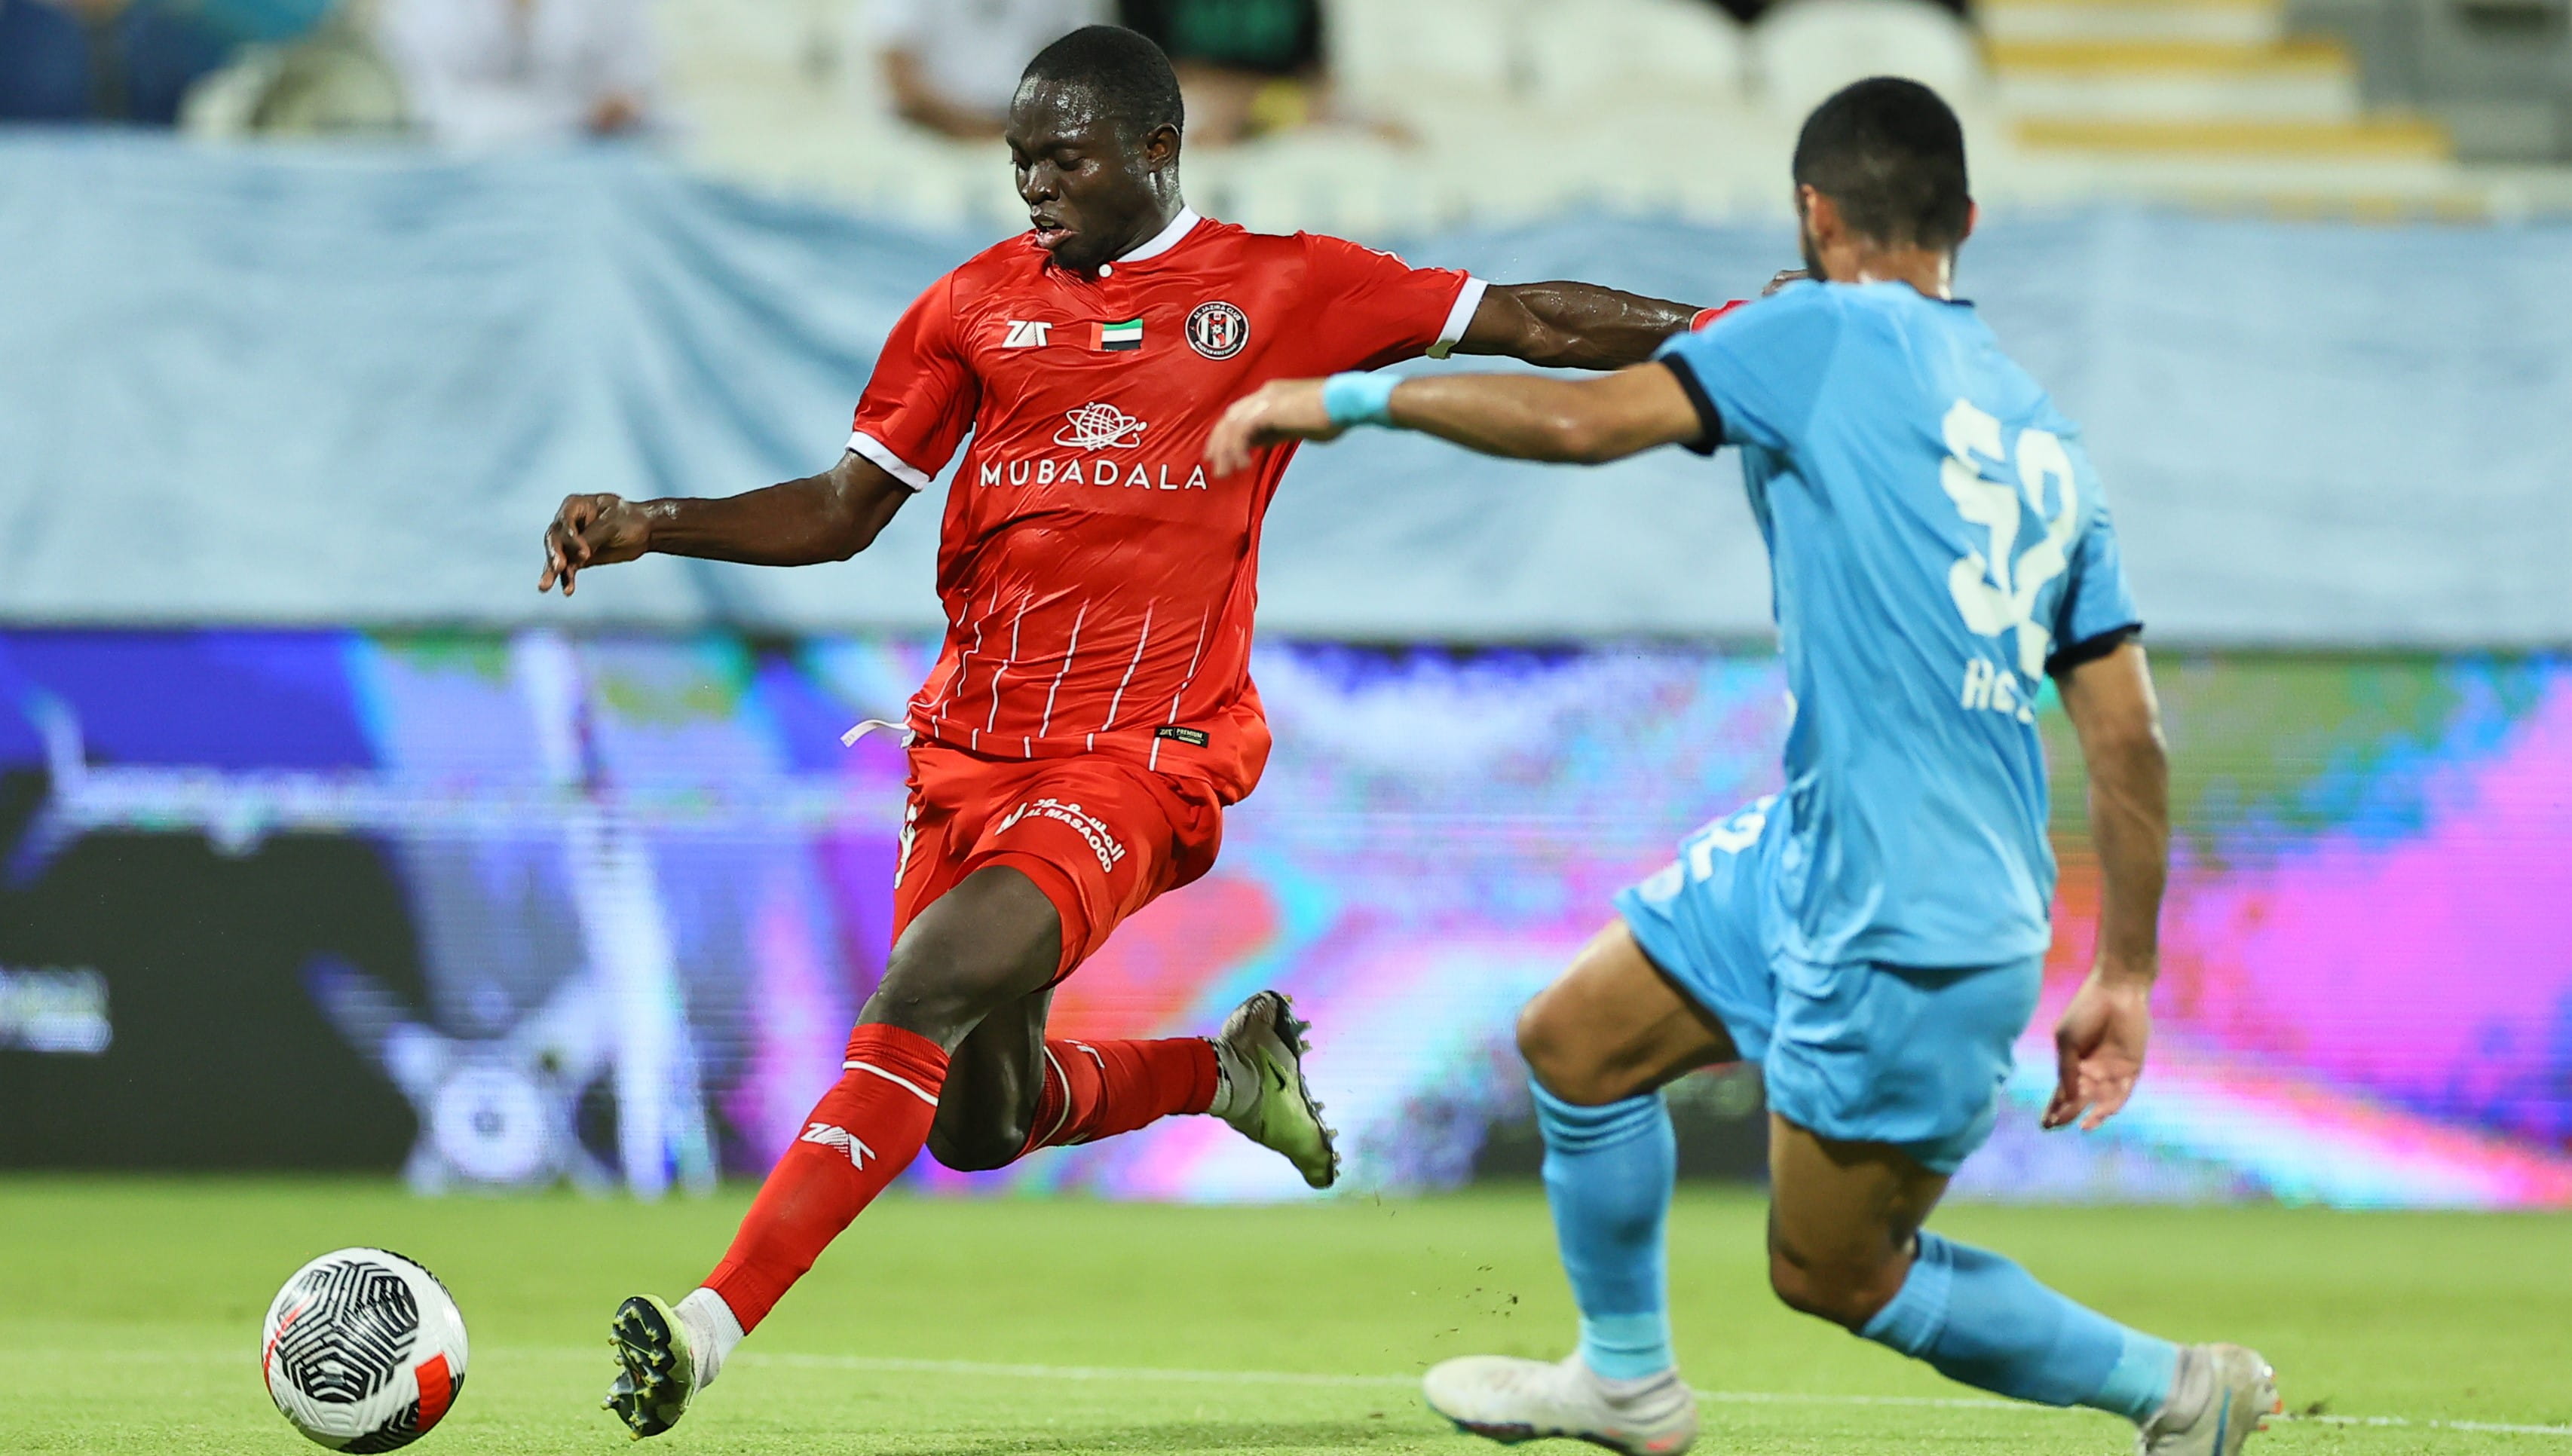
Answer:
(1165, 239)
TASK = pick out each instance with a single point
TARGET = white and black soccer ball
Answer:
(363, 1350)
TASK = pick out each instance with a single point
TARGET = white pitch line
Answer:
(980, 1369)
(1145, 1374)
(892, 1365)
(2502, 1428)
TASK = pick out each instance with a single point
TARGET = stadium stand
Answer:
(1526, 109)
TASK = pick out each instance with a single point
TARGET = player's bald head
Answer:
(1891, 155)
(1118, 71)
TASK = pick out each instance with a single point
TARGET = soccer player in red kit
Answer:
(1093, 714)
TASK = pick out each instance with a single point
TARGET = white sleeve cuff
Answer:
(875, 450)
(1460, 317)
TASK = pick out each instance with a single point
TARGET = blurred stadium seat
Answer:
(1807, 49)
(1394, 51)
(1623, 54)
(1527, 109)
(2496, 73)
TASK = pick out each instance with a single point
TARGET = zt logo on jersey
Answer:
(1995, 588)
(1026, 333)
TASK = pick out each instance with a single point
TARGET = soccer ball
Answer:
(363, 1350)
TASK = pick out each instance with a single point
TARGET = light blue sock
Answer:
(1979, 1318)
(1607, 1174)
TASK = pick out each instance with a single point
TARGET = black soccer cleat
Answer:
(658, 1374)
(1264, 1043)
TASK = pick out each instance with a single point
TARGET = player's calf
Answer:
(1842, 1249)
(982, 1145)
(988, 1110)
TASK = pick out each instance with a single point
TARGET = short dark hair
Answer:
(1122, 68)
(1891, 155)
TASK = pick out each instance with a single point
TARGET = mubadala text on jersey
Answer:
(1098, 470)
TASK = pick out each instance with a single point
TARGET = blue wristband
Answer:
(1359, 400)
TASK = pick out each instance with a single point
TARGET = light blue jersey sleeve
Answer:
(2097, 612)
(1754, 373)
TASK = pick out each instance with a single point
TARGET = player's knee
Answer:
(1806, 1288)
(924, 995)
(1541, 1045)
(979, 1149)
(1846, 1293)
(1556, 1057)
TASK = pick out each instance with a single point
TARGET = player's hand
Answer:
(1282, 409)
(2100, 1046)
(591, 530)
(1785, 276)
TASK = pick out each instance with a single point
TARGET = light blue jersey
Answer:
(1873, 936)
(1938, 540)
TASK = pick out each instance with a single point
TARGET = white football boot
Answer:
(1264, 1095)
(1512, 1400)
(2230, 1391)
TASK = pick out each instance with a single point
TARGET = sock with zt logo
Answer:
(858, 1138)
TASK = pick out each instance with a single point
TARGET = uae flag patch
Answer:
(1117, 337)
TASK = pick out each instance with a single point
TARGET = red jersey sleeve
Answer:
(922, 395)
(1371, 308)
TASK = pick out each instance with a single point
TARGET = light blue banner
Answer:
(340, 386)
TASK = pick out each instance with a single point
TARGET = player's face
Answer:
(1092, 190)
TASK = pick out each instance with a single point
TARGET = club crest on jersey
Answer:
(1026, 333)
(1097, 426)
(1217, 331)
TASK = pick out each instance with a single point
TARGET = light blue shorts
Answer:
(1862, 1052)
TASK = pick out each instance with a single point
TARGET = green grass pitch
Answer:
(130, 1310)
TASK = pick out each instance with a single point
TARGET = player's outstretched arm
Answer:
(2100, 1040)
(1569, 325)
(1566, 325)
(826, 517)
(1520, 416)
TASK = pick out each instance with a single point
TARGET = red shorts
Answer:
(1101, 838)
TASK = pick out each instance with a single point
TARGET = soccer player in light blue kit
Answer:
(1873, 934)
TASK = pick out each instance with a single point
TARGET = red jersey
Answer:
(1098, 582)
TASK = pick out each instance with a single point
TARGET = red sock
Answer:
(1095, 1089)
(861, 1136)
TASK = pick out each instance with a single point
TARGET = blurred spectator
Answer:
(1248, 68)
(101, 60)
(332, 80)
(1744, 11)
(952, 64)
(481, 73)
(1748, 11)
